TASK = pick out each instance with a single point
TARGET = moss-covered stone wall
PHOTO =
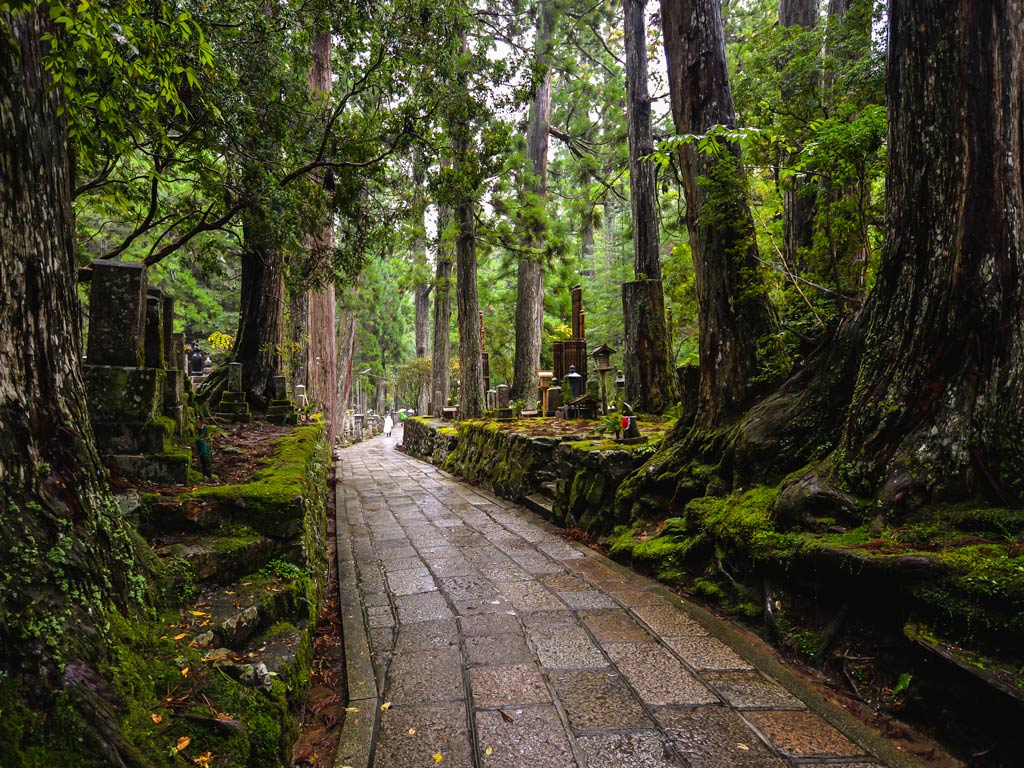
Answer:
(422, 438)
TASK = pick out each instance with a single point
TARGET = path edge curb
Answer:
(355, 744)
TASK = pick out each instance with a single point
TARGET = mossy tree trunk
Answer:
(938, 408)
(732, 304)
(68, 561)
(260, 335)
(650, 381)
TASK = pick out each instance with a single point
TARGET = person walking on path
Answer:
(388, 424)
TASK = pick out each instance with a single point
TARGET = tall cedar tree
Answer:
(649, 378)
(938, 409)
(440, 368)
(530, 277)
(52, 496)
(733, 309)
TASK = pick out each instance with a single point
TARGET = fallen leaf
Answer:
(741, 745)
(203, 760)
(351, 709)
(488, 751)
(385, 706)
(156, 718)
(412, 731)
(438, 757)
(179, 637)
(199, 613)
(505, 717)
(184, 672)
(183, 742)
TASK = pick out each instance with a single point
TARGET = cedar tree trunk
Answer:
(440, 369)
(530, 279)
(733, 310)
(261, 313)
(798, 194)
(938, 408)
(68, 560)
(650, 382)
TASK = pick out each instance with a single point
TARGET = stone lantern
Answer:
(602, 364)
(575, 382)
(544, 384)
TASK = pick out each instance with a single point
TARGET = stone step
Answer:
(549, 488)
(229, 617)
(223, 559)
(540, 504)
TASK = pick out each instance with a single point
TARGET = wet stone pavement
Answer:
(495, 643)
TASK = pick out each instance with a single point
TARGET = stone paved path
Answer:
(495, 643)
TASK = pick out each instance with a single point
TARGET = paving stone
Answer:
(451, 566)
(536, 619)
(405, 564)
(375, 599)
(530, 596)
(468, 587)
(563, 582)
(475, 605)
(528, 736)
(506, 572)
(636, 597)
(646, 749)
(508, 686)
(426, 606)
(437, 729)
(598, 701)
(716, 737)
(566, 647)
(614, 626)
(497, 649)
(417, 678)
(590, 599)
(382, 639)
(747, 689)
(592, 569)
(706, 653)
(803, 734)
(489, 624)
(658, 676)
(410, 582)
(380, 617)
(427, 635)
(668, 621)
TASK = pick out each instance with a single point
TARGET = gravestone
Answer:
(492, 399)
(554, 400)
(178, 351)
(502, 396)
(234, 377)
(282, 409)
(169, 361)
(154, 344)
(279, 387)
(117, 313)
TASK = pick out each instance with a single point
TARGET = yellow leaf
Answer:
(184, 672)
(179, 637)
(351, 709)
(385, 706)
(412, 731)
(156, 718)
(183, 742)
(488, 751)
(203, 761)
(438, 757)
(199, 613)
(742, 746)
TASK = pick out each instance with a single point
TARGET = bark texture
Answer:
(530, 277)
(938, 404)
(798, 196)
(440, 377)
(733, 309)
(322, 361)
(54, 500)
(650, 382)
(261, 315)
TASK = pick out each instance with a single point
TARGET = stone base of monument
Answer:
(504, 414)
(282, 411)
(170, 468)
(233, 407)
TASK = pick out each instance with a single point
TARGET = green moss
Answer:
(274, 499)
